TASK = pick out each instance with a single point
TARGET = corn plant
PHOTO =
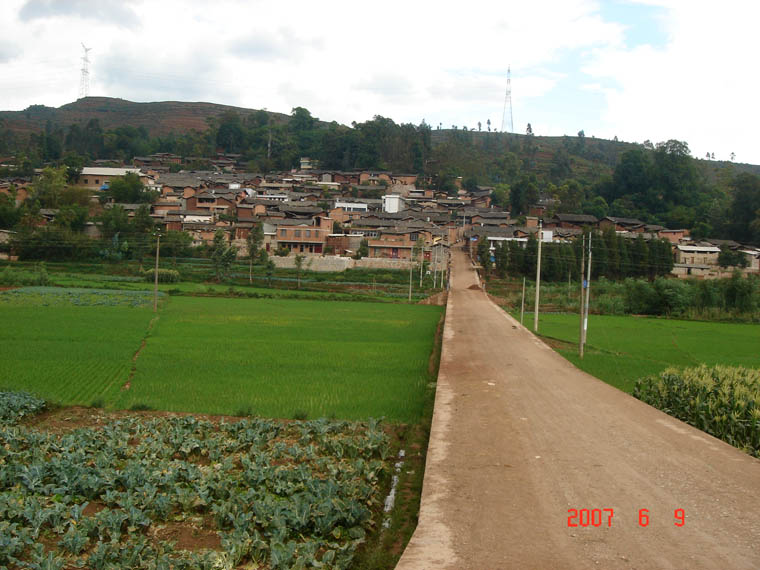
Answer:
(723, 401)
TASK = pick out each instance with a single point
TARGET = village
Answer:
(329, 215)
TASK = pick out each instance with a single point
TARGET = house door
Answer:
(394, 253)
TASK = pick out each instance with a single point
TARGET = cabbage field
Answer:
(177, 492)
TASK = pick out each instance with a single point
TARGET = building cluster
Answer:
(326, 212)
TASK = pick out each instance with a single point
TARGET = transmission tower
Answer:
(507, 103)
(84, 81)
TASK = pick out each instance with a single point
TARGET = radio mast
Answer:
(84, 80)
(507, 103)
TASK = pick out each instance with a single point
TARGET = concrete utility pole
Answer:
(155, 276)
(588, 290)
(538, 274)
(522, 303)
(580, 301)
(435, 266)
(411, 264)
(422, 263)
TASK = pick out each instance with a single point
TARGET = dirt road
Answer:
(520, 436)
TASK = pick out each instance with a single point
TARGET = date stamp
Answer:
(598, 517)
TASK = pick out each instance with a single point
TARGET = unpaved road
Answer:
(520, 436)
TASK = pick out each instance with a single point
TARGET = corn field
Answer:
(723, 401)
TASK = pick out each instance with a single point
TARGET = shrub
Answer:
(164, 275)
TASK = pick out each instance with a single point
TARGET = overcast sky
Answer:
(635, 69)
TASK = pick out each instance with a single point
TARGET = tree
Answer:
(128, 189)
(299, 266)
(488, 122)
(176, 243)
(733, 156)
(140, 228)
(729, 258)
(363, 250)
(529, 130)
(484, 254)
(253, 241)
(269, 271)
(114, 221)
(745, 208)
(49, 187)
(479, 127)
(222, 255)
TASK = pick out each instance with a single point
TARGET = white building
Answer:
(393, 203)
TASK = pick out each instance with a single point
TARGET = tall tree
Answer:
(253, 241)
(222, 255)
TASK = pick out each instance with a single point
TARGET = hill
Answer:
(159, 118)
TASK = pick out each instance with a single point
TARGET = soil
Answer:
(520, 436)
(188, 535)
(60, 420)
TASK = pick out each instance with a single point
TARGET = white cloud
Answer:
(699, 87)
(444, 62)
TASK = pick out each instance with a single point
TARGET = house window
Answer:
(97, 181)
(308, 233)
(86, 181)
(283, 232)
(297, 233)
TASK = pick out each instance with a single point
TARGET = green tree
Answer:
(745, 208)
(363, 250)
(484, 254)
(72, 217)
(299, 267)
(222, 255)
(253, 241)
(114, 221)
(49, 187)
(176, 243)
(128, 189)
(140, 229)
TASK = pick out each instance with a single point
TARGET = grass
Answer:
(620, 350)
(282, 358)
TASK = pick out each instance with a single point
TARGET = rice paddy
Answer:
(266, 357)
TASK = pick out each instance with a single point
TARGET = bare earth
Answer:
(520, 436)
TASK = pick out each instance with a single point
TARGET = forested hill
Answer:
(659, 182)
(159, 118)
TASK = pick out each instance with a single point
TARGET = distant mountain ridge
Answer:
(159, 118)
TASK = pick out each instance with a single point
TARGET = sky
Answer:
(636, 69)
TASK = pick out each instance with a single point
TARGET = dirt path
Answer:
(520, 436)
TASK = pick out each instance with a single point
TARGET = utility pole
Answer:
(588, 290)
(155, 276)
(435, 266)
(411, 264)
(422, 263)
(538, 274)
(522, 303)
(580, 301)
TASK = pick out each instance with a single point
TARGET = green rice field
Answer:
(71, 346)
(267, 357)
(620, 350)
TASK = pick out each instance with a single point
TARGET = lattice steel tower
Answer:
(507, 103)
(84, 81)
